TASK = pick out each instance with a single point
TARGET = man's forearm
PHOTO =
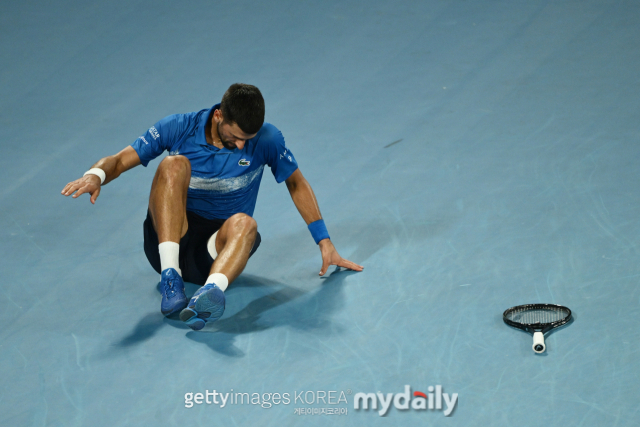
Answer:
(305, 201)
(110, 167)
(114, 165)
(304, 198)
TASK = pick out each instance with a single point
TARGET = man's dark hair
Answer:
(243, 105)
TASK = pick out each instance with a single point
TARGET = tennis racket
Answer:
(537, 319)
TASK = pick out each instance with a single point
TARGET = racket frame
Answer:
(532, 328)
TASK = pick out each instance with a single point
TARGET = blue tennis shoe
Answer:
(172, 287)
(207, 305)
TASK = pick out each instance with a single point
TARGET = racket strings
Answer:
(532, 316)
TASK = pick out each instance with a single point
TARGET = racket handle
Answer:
(538, 342)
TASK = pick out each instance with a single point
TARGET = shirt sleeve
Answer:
(164, 135)
(277, 155)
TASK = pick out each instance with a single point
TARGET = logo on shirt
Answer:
(244, 162)
(144, 140)
(284, 155)
(154, 132)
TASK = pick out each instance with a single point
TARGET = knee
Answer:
(174, 166)
(243, 223)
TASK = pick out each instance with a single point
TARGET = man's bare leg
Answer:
(168, 209)
(168, 199)
(233, 244)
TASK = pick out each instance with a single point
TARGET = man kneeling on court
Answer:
(199, 224)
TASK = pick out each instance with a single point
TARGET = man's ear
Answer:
(217, 115)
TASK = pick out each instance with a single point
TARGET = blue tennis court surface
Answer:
(472, 156)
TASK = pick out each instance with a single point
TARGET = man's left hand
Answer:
(330, 257)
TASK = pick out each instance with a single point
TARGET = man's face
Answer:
(230, 134)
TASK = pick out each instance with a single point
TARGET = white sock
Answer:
(219, 279)
(170, 256)
(211, 246)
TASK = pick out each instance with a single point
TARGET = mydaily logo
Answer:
(402, 401)
(332, 401)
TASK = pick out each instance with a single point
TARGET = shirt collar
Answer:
(201, 137)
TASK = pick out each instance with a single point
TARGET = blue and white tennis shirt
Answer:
(223, 182)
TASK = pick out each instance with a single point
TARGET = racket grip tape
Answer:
(538, 342)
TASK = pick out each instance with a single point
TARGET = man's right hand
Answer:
(87, 184)
(113, 166)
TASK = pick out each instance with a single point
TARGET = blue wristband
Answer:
(318, 230)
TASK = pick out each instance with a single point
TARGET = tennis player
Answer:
(199, 224)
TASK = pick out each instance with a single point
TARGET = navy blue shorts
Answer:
(195, 260)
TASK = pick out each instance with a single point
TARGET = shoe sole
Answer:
(176, 309)
(209, 307)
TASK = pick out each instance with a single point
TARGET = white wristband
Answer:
(98, 172)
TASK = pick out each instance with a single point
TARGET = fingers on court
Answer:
(350, 265)
(324, 268)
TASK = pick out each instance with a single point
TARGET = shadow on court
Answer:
(144, 330)
(307, 311)
(302, 310)
(303, 313)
